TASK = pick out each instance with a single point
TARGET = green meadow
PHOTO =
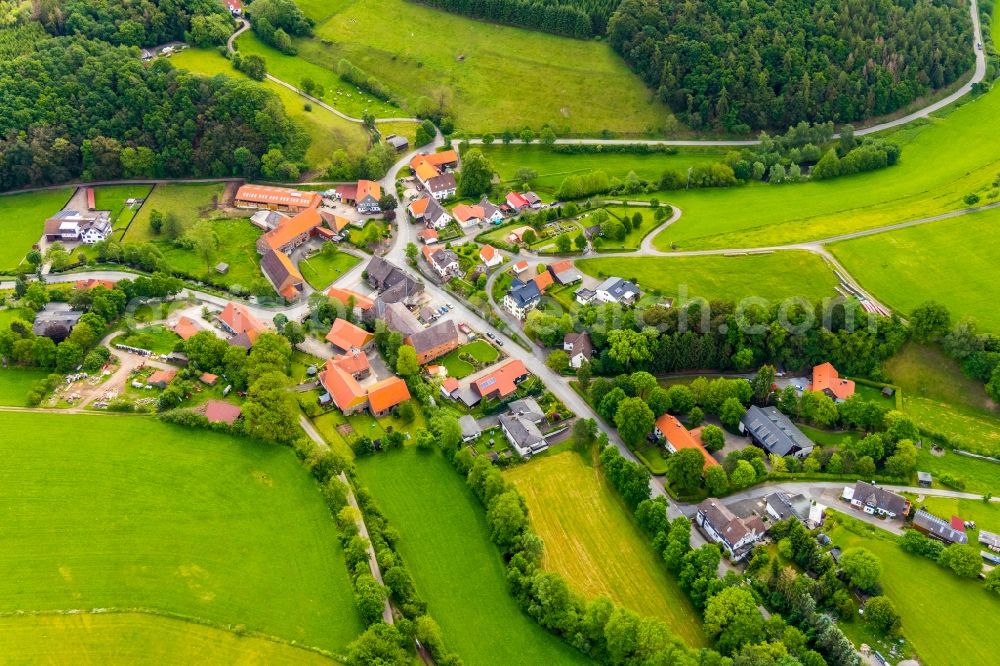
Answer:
(457, 570)
(22, 219)
(113, 198)
(189, 202)
(127, 512)
(943, 261)
(772, 276)
(15, 383)
(491, 77)
(320, 270)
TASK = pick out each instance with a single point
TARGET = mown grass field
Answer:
(7, 315)
(942, 261)
(113, 198)
(553, 167)
(941, 612)
(321, 270)
(633, 238)
(126, 512)
(599, 550)
(457, 570)
(134, 638)
(943, 159)
(189, 202)
(237, 247)
(492, 77)
(942, 399)
(980, 476)
(15, 384)
(327, 131)
(480, 350)
(22, 219)
(158, 339)
(770, 276)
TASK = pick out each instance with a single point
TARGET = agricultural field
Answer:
(409, 130)
(113, 198)
(941, 261)
(600, 551)
(773, 276)
(141, 514)
(320, 270)
(136, 638)
(943, 159)
(939, 397)
(15, 383)
(456, 569)
(552, 167)
(917, 587)
(22, 218)
(980, 476)
(327, 131)
(421, 52)
(189, 202)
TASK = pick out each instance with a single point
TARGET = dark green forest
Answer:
(739, 65)
(571, 18)
(73, 108)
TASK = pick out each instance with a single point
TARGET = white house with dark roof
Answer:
(616, 290)
(876, 501)
(578, 347)
(523, 435)
(522, 298)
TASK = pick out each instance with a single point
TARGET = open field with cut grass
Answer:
(491, 77)
(327, 131)
(942, 261)
(771, 276)
(980, 476)
(158, 339)
(189, 202)
(942, 399)
(237, 247)
(320, 270)
(22, 219)
(136, 638)
(457, 570)
(600, 551)
(339, 94)
(943, 159)
(934, 603)
(113, 197)
(7, 315)
(15, 383)
(633, 237)
(553, 167)
(126, 512)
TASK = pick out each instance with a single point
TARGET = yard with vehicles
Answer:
(22, 218)
(600, 551)
(421, 52)
(141, 514)
(943, 159)
(321, 269)
(773, 276)
(918, 587)
(327, 131)
(457, 570)
(942, 261)
(90, 638)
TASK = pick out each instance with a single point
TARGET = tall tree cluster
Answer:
(742, 64)
(572, 18)
(77, 108)
(132, 22)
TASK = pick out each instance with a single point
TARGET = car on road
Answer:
(500, 342)
(490, 335)
(451, 306)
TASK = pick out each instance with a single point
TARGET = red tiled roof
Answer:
(418, 207)
(520, 266)
(825, 376)
(344, 295)
(342, 387)
(502, 379)
(345, 335)
(354, 363)
(289, 229)
(238, 318)
(450, 385)
(428, 234)
(680, 438)
(91, 283)
(487, 252)
(957, 524)
(208, 378)
(281, 196)
(425, 171)
(436, 160)
(368, 188)
(217, 411)
(387, 393)
(543, 280)
(162, 377)
(465, 212)
(515, 200)
(186, 327)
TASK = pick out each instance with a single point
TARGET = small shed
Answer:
(888, 391)
(222, 268)
(924, 479)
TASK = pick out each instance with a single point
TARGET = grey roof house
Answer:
(876, 501)
(774, 432)
(527, 409)
(523, 435)
(470, 429)
(522, 298)
(938, 528)
(617, 290)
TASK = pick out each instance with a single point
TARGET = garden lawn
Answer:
(986, 516)
(189, 202)
(15, 383)
(600, 551)
(774, 276)
(934, 603)
(409, 130)
(320, 270)
(113, 197)
(457, 570)
(135, 638)
(942, 261)
(327, 427)
(980, 476)
(7, 315)
(237, 247)
(158, 339)
(634, 235)
(22, 220)
(827, 437)
(480, 350)
(941, 399)
(576, 85)
(125, 512)
(327, 131)
(552, 167)
(943, 159)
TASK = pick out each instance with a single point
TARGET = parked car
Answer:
(490, 335)
(500, 342)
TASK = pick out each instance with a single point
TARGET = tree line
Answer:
(276, 22)
(736, 65)
(77, 108)
(571, 18)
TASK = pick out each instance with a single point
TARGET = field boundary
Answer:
(156, 612)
